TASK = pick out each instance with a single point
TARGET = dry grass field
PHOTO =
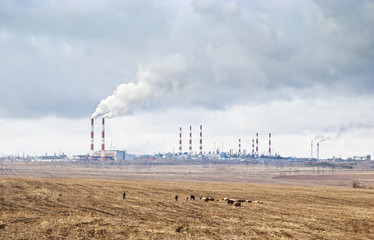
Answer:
(77, 208)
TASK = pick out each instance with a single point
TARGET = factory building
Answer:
(114, 155)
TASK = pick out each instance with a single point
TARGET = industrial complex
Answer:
(113, 156)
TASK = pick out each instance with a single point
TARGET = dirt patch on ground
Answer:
(49, 208)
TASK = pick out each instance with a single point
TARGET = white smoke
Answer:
(153, 85)
(343, 129)
(206, 80)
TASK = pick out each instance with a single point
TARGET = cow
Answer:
(176, 197)
(237, 204)
(241, 200)
(186, 198)
(203, 198)
(192, 197)
(230, 201)
(124, 195)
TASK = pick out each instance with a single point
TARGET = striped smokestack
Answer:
(253, 147)
(180, 141)
(201, 139)
(240, 146)
(103, 140)
(190, 140)
(318, 151)
(92, 138)
(257, 144)
(311, 150)
(269, 144)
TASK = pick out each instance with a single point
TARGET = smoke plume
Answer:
(154, 85)
(343, 129)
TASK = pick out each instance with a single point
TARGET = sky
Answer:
(301, 70)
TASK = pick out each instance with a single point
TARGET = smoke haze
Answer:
(343, 129)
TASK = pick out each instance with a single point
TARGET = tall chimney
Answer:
(269, 144)
(253, 147)
(103, 141)
(311, 150)
(240, 146)
(318, 151)
(257, 144)
(191, 140)
(92, 138)
(180, 141)
(201, 139)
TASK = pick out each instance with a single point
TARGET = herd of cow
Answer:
(234, 202)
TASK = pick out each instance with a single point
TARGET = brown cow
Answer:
(237, 204)
(230, 201)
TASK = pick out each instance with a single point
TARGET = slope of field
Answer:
(245, 173)
(49, 208)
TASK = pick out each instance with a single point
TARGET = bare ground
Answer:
(89, 204)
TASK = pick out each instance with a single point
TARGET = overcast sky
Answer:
(301, 70)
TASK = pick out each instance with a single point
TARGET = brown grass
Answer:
(49, 208)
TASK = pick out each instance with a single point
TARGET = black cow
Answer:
(124, 195)
(176, 197)
(192, 197)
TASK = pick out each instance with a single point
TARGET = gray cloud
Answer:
(62, 57)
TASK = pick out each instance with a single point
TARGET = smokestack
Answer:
(180, 141)
(257, 144)
(191, 140)
(201, 139)
(269, 144)
(311, 150)
(253, 147)
(103, 141)
(318, 151)
(240, 146)
(92, 138)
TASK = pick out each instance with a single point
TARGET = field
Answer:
(90, 206)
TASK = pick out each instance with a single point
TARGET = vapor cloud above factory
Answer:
(242, 57)
(307, 64)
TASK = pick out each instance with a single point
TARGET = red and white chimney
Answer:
(92, 138)
(191, 140)
(103, 140)
(180, 141)
(240, 146)
(201, 139)
(253, 147)
(257, 144)
(269, 144)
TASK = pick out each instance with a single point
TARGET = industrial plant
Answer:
(183, 156)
